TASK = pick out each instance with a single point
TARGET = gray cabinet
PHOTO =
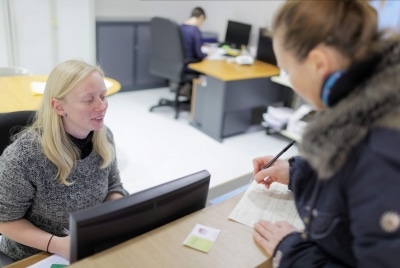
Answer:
(123, 51)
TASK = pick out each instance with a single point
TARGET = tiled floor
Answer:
(153, 147)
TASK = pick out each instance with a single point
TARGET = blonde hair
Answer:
(48, 125)
(350, 26)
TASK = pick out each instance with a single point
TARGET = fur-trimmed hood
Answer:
(328, 140)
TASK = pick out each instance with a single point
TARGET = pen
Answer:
(270, 163)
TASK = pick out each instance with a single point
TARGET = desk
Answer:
(227, 98)
(163, 247)
(16, 94)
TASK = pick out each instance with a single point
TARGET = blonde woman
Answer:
(65, 161)
(346, 181)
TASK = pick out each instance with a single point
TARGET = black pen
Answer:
(270, 163)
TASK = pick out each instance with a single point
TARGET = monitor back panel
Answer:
(108, 224)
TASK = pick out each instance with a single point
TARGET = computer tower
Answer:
(265, 51)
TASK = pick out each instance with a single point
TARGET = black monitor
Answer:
(108, 224)
(265, 51)
(237, 34)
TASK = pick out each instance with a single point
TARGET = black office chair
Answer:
(11, 123)
(167, 60)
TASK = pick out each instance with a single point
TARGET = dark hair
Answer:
(197, 12)
(350, 26)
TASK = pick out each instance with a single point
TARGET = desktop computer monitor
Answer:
(108, 224)
(265, 51)
(237, 34)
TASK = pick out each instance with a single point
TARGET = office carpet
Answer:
(153, 147)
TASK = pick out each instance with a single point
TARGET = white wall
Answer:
(40, 34)
(256, 13)
(49, 31)
(4, 43)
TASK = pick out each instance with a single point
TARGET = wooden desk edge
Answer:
(29, 261)
(116, 86)
(40, 256)
(272, 70)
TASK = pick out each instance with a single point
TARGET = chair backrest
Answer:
(265, 51)
(11, 123)
(12, 71)
(167, 59)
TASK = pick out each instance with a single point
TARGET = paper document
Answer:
(201, 237)
(274, 204)
(51, 261)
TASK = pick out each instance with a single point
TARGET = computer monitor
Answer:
(265, 51)
(237, 34)
(103, 226)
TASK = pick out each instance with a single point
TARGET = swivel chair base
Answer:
(177, 104)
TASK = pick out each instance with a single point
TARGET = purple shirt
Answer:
(192, 42)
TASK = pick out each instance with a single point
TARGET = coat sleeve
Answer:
(294, 251)
(374, 203)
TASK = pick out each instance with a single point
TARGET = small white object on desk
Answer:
(244, 60)
(296, 125)
(277, 117)
(216, 53)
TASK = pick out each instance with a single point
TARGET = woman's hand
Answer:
(278, 172)
(60, 245)
(268, 235)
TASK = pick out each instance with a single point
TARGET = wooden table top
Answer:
(231, 71)
(16, 93)
(163, 247)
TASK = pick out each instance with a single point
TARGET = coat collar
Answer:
(328, 140)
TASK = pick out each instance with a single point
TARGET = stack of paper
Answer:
(298, 122)
(277, 117)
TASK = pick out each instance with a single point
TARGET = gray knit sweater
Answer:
(30, 190)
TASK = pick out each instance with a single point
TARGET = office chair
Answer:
(167, 61)
(11, 123)
(13, 71)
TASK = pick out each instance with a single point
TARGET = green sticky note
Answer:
(199, 243)
(201, 238)
(58, 265)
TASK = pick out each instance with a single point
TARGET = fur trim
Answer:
(329, 139)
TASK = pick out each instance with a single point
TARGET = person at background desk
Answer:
(192, 39)
(64, 162)
(346, 180)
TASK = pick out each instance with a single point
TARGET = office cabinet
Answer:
(123, 51)
(226, 108)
